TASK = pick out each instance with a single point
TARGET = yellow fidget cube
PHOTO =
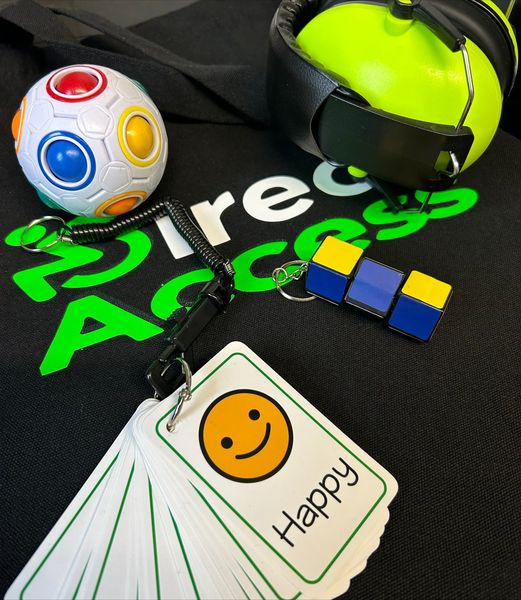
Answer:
(331, 268)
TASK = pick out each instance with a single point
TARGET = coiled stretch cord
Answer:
(212, 300)
(101, 232)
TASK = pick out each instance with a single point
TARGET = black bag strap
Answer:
(224, 93)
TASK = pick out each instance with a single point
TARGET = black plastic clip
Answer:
(165, 374)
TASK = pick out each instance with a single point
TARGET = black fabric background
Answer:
(443, 418)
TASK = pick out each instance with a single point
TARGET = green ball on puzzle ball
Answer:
(403, 68)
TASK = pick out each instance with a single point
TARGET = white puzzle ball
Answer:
(90, 140)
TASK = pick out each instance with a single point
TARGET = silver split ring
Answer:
(295, 276)
(62, 232)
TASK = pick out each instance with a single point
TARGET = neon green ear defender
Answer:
(401, 67)
(409, 91)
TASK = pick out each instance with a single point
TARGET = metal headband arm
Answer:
(430, 16)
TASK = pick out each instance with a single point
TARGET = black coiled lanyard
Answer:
(165, 374)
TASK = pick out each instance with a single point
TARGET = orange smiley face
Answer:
(245, 436)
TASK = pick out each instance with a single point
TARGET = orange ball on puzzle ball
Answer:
(90, 140)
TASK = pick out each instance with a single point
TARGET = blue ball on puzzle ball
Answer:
(90, 140)
(338, 273)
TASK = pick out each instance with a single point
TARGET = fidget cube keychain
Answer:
(338, 272)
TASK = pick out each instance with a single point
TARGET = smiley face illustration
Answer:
(245, 436)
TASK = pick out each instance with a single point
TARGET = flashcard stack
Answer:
(254, 494)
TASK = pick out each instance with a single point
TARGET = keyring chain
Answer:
(62, 234)
(294, 276)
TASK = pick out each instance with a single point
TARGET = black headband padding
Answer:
(296, 88)
(485, 28)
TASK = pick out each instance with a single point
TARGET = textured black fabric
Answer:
(229, 87)
(444, 417)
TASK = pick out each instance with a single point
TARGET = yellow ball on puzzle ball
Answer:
(90, 140)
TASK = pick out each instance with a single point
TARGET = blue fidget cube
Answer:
(414, 318)
(374, 287)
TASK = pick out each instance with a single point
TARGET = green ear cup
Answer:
(403, 68)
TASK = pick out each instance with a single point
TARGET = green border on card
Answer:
(75, 595)
(243, 551)
(80, 509)
(109, 547)
(114, 530)
(185, 557)
(242, 589)
(181, 545)
(154, 539)
(292, 567)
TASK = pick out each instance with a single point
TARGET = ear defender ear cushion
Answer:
(402, 67)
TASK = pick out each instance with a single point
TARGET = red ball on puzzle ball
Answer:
(90, 140)
(76, 83)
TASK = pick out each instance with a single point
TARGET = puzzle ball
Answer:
(90, 140)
